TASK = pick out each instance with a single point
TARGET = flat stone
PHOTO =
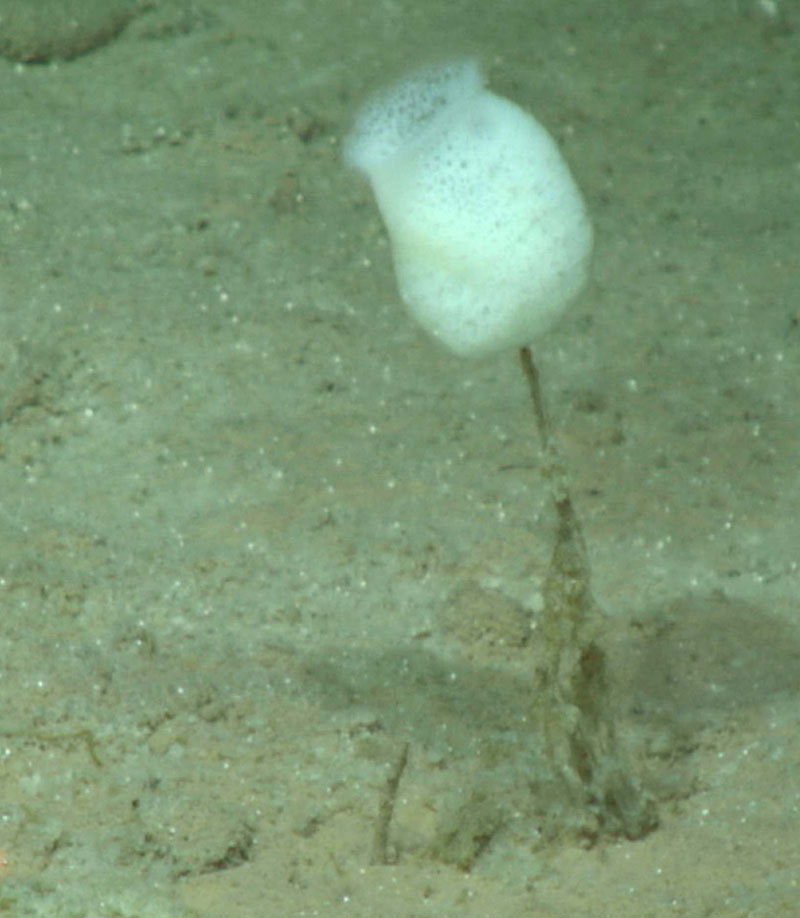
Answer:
(39, 31)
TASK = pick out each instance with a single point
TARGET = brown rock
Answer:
(35, 32)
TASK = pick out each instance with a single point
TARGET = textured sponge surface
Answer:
(394, 117)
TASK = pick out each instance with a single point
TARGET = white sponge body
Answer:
(489, 233)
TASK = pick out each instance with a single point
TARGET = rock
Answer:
(36, 32)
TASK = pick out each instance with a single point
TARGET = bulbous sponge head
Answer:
(490, 236)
